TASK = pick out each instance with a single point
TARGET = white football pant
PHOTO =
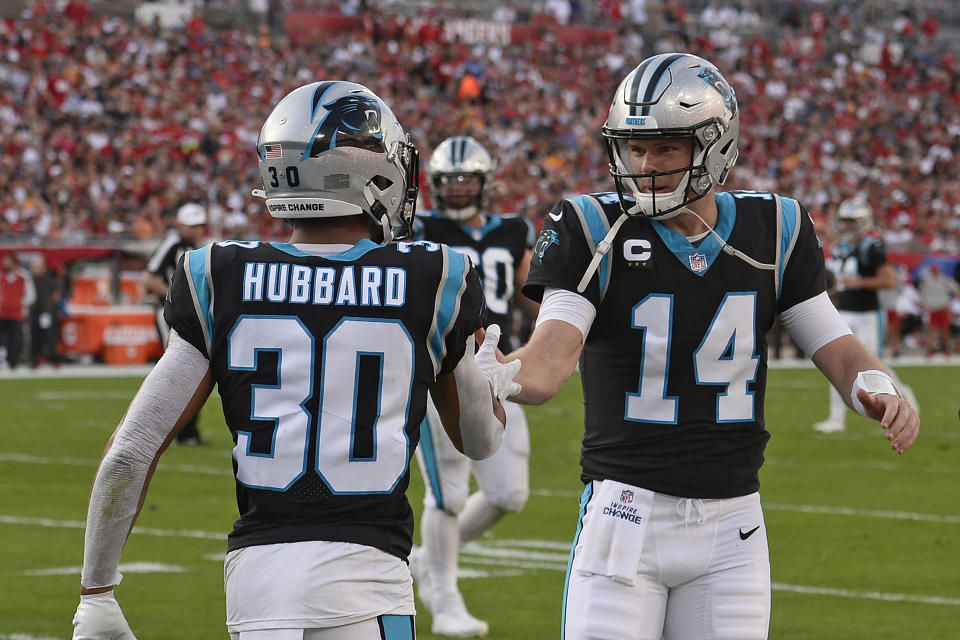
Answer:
(647, 566)
(299, 586)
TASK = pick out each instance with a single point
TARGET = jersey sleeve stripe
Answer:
(595, 228)
(452, 285)
(196, 264)
(789, 210)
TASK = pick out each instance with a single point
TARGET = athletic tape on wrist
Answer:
(873, 381)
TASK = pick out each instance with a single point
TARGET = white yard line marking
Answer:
(507, 555)
(24, 636)
(84, 395)
(146, 531)
(866, 595)
(131, 567)
(863, 513)
(91, 462)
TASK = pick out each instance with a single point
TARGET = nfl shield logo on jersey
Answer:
(626, 496)
(698, 262)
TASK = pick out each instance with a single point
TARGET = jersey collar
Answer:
(699, 259)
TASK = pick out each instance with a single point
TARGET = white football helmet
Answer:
(452, 162)
(858, 212)
(673, 95)
(334, 148)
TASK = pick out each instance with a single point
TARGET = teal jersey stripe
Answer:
(790, 219)
(429, 450)
(198, 273)
(598, 230)
(451, 290)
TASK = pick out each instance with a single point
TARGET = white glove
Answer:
(99, 617)
(499, 374)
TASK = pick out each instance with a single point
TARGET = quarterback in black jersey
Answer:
(460, 174)
(664, 291)
(323, 350)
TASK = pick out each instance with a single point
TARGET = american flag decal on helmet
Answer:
(272, 151)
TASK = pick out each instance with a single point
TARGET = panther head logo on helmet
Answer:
(352, 120)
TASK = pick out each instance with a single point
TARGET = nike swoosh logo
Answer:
(744, 536)
(556, 216)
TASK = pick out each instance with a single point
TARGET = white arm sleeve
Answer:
(151, 417)
(480, 430)
(572, 308)
(814, 323)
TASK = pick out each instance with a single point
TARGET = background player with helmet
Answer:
(664, 292)
(323, 350)
(460, 174)
(859, 264)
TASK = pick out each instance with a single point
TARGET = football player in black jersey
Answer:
(859, 264)
(323, 350)
(664, 291)
(460, 174)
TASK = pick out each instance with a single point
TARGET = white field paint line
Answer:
(866, 595)
(863, 513)
(479, 573)
(147, 531)
(549, 545)
(26, 458)
(132, 567)
(84, 395)
(78, 371)
(24, 636)
(516, 564)
(556, 493)
(860, 466)
(473, 548)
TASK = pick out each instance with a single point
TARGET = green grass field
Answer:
(864, 543)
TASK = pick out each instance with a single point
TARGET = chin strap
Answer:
(601, 251)
(387, 229)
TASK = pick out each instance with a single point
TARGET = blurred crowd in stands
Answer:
(108, 125)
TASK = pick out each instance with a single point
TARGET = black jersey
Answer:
(496, 248)
(674, 366)
(165, 257)
(860, 258)
(323, 366)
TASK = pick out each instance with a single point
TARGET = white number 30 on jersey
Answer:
(336, 380)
